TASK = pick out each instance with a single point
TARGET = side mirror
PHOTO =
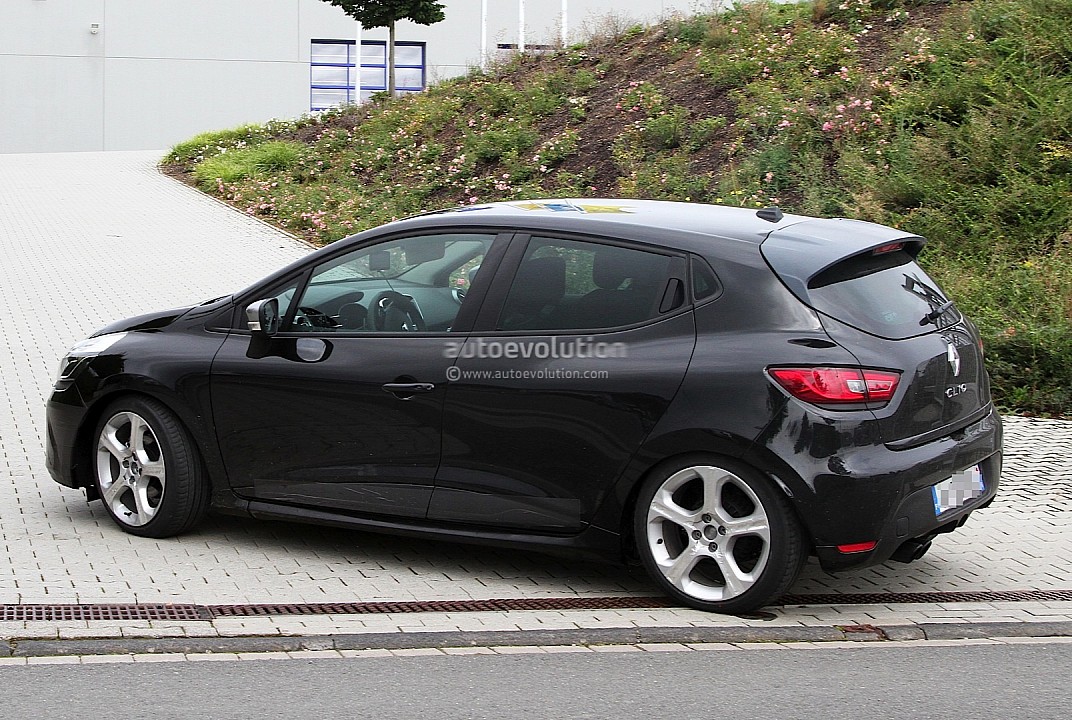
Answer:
(262, 317)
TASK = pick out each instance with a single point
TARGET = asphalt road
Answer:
(963, 682)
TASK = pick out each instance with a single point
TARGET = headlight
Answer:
(90, 347)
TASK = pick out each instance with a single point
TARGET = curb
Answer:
(515, 638)
(275, 228)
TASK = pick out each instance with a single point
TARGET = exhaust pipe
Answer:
(911, 550)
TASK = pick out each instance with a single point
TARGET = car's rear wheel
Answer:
(716, 535)
(147, 470)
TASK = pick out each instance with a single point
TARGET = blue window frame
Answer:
(337, 75)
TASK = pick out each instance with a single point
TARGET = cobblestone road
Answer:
(89, 238)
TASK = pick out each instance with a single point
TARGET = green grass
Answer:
(210, 143)
(231, 166)
(952, 120)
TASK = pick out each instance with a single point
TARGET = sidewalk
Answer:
(89, 238)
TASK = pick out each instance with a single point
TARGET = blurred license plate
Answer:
(964, 486)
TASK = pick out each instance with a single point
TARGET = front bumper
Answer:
(64, 415)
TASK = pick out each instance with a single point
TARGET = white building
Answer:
(144, 74)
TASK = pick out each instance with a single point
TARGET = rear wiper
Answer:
(936, 313)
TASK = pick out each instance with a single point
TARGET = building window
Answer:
(336, 76)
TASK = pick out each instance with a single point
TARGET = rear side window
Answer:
(573, 285)
(886, 295)
(704, 282)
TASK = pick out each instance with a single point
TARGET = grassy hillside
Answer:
(948, 119)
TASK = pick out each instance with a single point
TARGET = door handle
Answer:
(405, 390)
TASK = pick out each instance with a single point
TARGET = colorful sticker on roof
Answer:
(560, 206)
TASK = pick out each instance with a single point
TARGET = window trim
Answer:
(423, 67)
(353, 86)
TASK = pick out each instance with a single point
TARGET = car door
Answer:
(342, 409)
(578, 350)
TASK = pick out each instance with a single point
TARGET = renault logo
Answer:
(954, 359)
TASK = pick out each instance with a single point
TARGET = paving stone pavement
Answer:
(92, 237)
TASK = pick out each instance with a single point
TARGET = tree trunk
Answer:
(391, 59)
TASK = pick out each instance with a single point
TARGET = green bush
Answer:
(1032, 370)
(668, 130)
(495, 145)
(690, 30)
(703, 130)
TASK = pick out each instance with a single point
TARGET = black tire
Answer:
(147, 469)
(717, 536)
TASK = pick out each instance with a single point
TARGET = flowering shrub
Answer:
(853, 117)
(641, 99)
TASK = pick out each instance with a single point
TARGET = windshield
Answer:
(419, 260)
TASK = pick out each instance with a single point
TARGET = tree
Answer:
(385, 13)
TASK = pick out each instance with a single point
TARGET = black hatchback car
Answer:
(715, 392)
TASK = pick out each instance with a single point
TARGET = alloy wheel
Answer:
(131, 472)
(708, 533)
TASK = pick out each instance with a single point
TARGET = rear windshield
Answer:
(887, 295)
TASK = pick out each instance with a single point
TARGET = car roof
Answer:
(710, 230)
(604, 215)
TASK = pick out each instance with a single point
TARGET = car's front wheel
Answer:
(717, 536)
(147, 469)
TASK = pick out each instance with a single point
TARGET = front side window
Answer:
(573, 285)
(414, 284)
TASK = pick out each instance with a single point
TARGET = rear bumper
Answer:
(849, 488)
(913, 524)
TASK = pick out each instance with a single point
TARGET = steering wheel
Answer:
(393, 312)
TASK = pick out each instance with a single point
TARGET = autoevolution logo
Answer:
(553, 349)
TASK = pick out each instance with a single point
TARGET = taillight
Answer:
(837, 386)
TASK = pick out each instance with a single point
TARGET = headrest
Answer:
(613, 266)
(539, 282)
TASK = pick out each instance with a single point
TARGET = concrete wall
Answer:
(153, 72)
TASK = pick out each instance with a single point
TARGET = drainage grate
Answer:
(928, 597)
(9, 613)
(378, 608)
(103, 612)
